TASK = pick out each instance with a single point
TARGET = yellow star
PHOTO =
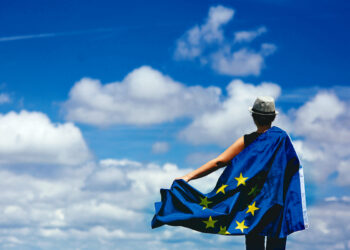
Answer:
(252, 208)
(241, 180)
(241, 226)
(210, 222)
(223, 231)
(205, 202)
(222, 189)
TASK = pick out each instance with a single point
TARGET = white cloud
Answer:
(248, 36)
(323, 123)
(329, 228)
(145, 96)
(4, 98)
(41, 213)
(193, 42)
(267, 49)
(160, 147)
(30, 137)
(318, 118)
(208, 44)
(119, 163)
(108, 178)
(200, 158)
(232, 119)
(79, 205)
(343, 172)
(243, 62)
(307, 153)
(338, 199)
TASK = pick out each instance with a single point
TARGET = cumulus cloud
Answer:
(79, 205)
(242, 62)
(329, 227)
(80, 209)
(39, 211)
(30, 137)
(318, 118)
(194, 41)
(209, 44)
(145, 96)
(232, 119)
(160, 147)
(323, 123)
(248, 36)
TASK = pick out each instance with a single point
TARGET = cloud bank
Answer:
(109, 203)
(101, 203)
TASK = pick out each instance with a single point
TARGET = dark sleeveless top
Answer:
(249, 138)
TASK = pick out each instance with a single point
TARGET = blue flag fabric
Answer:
(261, 190)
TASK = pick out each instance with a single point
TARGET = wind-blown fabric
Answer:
(261, 191)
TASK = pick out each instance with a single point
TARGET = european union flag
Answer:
(261, 190)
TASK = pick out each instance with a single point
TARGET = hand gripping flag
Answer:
(261, 191)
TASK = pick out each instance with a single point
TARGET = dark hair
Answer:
(262, 120)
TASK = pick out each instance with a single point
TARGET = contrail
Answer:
(80, 32)
(14, 38)
(44, 35)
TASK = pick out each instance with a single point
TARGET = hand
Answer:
(185, 178)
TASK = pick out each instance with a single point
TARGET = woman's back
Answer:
(255, 241)
(259, 192)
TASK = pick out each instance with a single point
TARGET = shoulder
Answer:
(278, 131)
(249, 138)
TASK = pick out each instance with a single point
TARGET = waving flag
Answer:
(261, 190)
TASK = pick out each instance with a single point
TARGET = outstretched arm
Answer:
(214, 164)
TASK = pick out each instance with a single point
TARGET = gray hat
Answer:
(264, 105)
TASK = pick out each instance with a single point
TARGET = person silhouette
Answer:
(259, 194)
(263, 114)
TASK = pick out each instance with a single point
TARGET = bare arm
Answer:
(214, 164)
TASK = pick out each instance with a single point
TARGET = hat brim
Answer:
(258, 113)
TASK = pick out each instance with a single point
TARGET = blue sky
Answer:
(99, 96)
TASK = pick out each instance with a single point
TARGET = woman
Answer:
(263, 113)
(260, 192)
